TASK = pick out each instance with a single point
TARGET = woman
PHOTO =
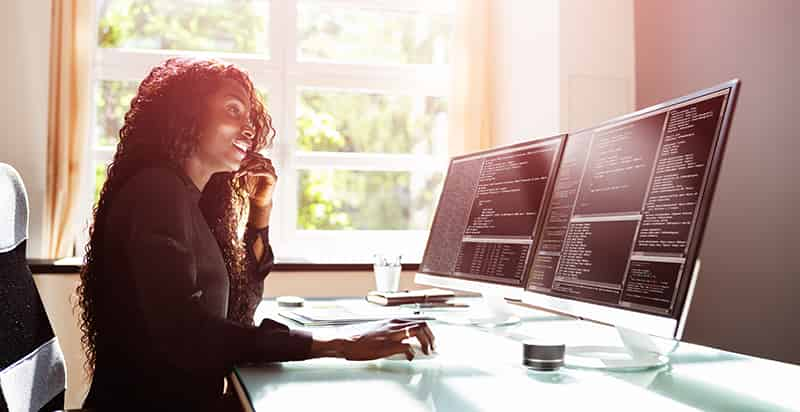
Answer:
(168, 291)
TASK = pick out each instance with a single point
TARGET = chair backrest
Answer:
(14, 209)
(32, 371)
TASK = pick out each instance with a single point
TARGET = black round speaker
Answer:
(542, 356)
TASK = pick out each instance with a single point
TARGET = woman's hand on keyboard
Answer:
(385, 339)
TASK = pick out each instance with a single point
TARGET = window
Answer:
(358, 94)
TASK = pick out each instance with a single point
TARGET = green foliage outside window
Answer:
(372, 123)
(328, 32)
(233, 26)
(99, 178)
(360, 200)
(349, 122)
(112, 101)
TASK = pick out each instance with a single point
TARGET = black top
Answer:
(166, 342)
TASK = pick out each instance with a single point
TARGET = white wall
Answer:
(561, 65)
(23, 101)
(525, 42)
(597, 71)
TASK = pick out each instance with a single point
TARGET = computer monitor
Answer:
(488, 217)
(623, 227)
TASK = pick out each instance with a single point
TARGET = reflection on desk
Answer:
(481, 370)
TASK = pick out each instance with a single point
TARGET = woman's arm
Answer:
(258, 262)
(161, 260)
(259, 177)
(258, 218)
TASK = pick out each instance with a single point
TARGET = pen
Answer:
(440, 305)
(419, 308)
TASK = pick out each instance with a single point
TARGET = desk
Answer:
(480, 370)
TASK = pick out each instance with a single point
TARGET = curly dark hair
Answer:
(161, 129)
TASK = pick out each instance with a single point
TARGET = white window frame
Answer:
(283, 76)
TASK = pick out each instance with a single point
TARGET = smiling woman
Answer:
(165, 241)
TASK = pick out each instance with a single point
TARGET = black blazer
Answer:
(165, 341)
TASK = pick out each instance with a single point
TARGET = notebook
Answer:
(409, 296)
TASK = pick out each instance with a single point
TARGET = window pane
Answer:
(233, 26)
(376, 123)
(99, 180)
(112, 99)
(361, 36)
(360, 200)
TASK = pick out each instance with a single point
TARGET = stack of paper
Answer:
(320, 315)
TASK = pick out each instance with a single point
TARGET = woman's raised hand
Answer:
(259, 178)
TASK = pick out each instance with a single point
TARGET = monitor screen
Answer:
(629, 202)
(489, 213)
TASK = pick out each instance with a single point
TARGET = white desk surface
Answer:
(481, 370)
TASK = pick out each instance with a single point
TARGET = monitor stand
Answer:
(639, 352)
(493, 313)
(490, 312)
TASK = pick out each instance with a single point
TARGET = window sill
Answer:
(51, 267)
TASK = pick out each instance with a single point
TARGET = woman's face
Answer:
(226, 134)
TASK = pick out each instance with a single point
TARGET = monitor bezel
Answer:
(511, 291)
(671, 327)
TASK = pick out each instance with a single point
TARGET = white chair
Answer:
(32, 370)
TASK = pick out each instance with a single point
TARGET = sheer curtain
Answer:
(68, 119)
(472, 87)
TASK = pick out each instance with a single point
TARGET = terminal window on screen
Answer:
(624, 205)
(488, 213)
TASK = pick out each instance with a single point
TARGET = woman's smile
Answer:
(242, 146)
